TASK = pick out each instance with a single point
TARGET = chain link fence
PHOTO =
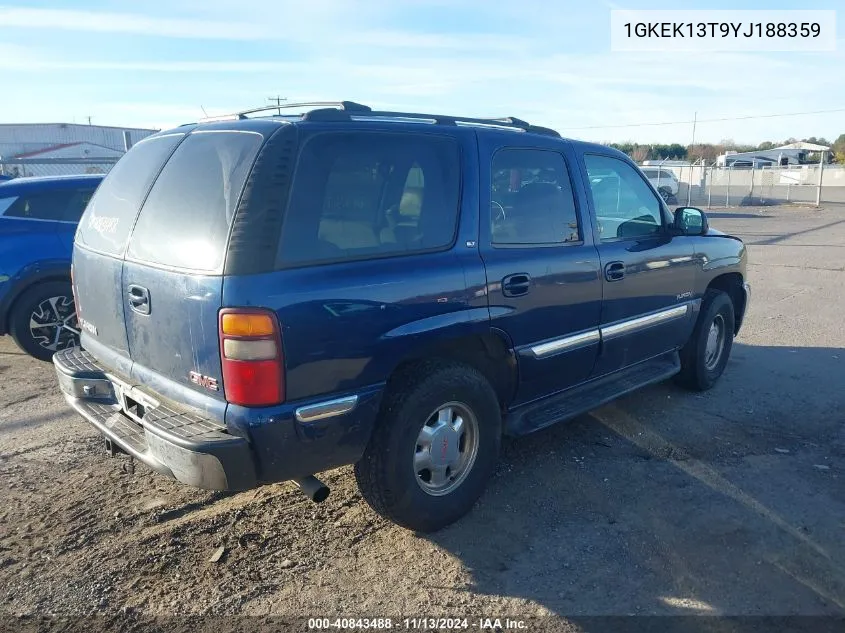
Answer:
(718, 186)
(24, 167)
(697, 184)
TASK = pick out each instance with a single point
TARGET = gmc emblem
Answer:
(203, 381)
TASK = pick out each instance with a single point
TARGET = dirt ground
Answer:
(665, 502)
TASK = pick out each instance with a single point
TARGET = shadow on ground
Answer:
(728, 502)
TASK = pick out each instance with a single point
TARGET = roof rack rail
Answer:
(349, 106)
(349, 110)
(510, 123)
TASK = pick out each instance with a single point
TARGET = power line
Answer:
(730, 118)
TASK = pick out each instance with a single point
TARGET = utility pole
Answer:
(278, 101)
(694, 121)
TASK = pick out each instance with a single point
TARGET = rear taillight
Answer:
(251, 356)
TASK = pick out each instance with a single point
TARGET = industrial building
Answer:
(37, 149)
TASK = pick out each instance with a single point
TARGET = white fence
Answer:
(714, 186)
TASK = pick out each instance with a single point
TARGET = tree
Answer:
(838, 149)
(639, 154)
(765, 145)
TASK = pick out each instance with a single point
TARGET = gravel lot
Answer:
(665, 502)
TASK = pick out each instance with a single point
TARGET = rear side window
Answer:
(531, 199)
(186, 218)
(369, 195)
(109, 217)
(63, 205)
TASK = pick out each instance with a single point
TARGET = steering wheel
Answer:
(499, 215)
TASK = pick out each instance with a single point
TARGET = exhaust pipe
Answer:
(313, 488)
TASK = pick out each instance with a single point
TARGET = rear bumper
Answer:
(179, 444)
(257, 445)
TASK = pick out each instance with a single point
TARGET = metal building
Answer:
(23, 138)
(40, 149)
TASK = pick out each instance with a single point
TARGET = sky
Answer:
(161, 63)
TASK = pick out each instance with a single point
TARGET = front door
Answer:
(648, 275)
(543, 283)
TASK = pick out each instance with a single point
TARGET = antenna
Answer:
(278, 101)
(204, 112)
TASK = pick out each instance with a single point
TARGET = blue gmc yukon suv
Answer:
(262, 298)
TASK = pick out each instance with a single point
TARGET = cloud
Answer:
(332, 33)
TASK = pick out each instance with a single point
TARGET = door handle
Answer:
(614, 271)
(139, 299)
(516, 285)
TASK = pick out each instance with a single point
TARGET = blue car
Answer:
(263, 299)
(38, 218)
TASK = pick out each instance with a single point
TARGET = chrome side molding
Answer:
(574, 341)
(643, 322)
(327, 409)
(565, 343)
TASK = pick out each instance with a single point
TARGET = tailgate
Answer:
(100, 244)
(172, 276)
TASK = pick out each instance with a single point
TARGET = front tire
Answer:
(434, 447)
(704, 357)
(43, 320)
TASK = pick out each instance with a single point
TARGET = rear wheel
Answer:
(665, 193)
(434, 447)
(43, 320)
(704, 357)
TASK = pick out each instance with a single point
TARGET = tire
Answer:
(47, 302)
(666, 194)
(700, 368)
(392, 476)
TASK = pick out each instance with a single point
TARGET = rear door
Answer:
(100, 245)
(172, 278)
(542, 268)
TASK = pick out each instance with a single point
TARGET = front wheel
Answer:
(43, 320)
(704, 357)
(434, 447)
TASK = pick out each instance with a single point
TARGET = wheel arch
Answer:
(24, 285)
(490, 353)
(732, 285)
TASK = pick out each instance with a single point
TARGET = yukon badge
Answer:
(88, 326)
(203, 381)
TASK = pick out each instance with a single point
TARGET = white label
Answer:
(708, 31)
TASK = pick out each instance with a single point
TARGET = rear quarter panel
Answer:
(346, 326)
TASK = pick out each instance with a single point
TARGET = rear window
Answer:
(108, 219)
(186, 218)
(360, 195)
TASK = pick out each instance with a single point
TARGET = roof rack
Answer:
(339, 105)
(506, 123)
(350, 110)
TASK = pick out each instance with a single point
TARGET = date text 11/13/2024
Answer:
(417, 623)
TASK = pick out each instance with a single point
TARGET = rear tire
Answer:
(403, 474)
(704, 357)
(43, 320)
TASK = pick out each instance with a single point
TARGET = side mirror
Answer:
(690, 221)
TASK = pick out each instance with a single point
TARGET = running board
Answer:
(577, 400)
